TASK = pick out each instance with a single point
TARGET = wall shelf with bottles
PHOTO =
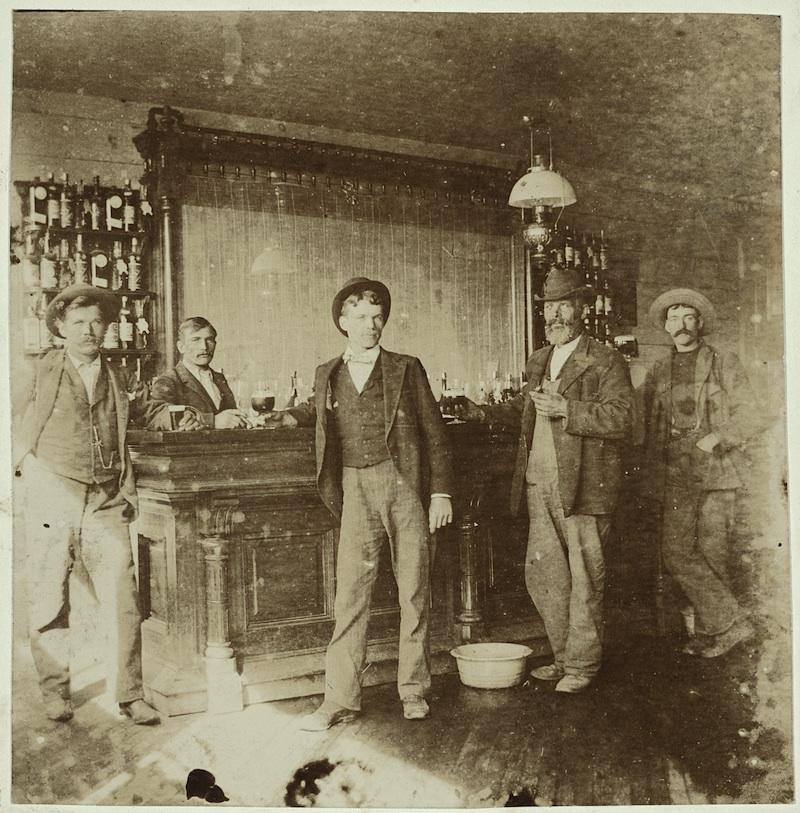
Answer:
(94, 234)
(590, 255)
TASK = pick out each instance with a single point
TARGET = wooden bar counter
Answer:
(237, 575)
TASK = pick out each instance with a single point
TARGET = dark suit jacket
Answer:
(179, 386)
(415, 434)
(41, 398)
(726, 405)
(596, 383)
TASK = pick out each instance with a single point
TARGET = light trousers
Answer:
(378, 504)
(67, 521)
(565, 576)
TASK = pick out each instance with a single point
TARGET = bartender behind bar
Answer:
(194, 384)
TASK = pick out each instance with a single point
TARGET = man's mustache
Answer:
(683, 330)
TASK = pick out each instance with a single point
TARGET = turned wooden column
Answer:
(472, 574)
(224, 682)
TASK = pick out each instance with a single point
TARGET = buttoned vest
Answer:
(359, 418)
(79, 439)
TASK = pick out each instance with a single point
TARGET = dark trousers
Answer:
(379, 503)
(695, 538)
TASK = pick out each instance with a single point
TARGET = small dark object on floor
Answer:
(201, 783)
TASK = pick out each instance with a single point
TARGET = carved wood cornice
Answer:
(173, 149)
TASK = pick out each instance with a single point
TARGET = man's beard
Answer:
(560, 332)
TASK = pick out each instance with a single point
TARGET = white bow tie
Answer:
(363, 359)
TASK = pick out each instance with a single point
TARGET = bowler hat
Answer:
(683, 296)
(563, 283)
(105, 300)
(354, 285)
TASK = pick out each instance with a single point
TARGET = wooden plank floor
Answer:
(657, 728)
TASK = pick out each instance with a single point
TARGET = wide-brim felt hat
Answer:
(354, 285)
(563, 283)
(107, 302)
(683, 296)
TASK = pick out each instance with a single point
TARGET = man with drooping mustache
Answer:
(80, 498)
(699, 413)
(573, 415)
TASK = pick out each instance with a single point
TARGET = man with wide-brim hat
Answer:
(699, 413)
(383, 467)
(80, 498)
(573, 415)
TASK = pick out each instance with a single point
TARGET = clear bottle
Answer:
(48, 272)
(119, 268)
(134, 267)
(80, 261)
(67, 204)
(128, 207)
(507, 393)
(125, 325)
(65, 277)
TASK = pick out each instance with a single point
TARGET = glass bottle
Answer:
(67, 204)
(53, 202)
(30, 325)
(114, 210)
(96, 215)
(125, 325)
(101, 271)
(134, 267)
(48, 273)
(128, 207)
(80, 261)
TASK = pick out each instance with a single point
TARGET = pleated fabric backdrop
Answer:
(263, 261)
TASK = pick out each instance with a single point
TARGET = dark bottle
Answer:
(83, 209)
(569, 249)
(293, 397)
(53, 202)
(96, 213)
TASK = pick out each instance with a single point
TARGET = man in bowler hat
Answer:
(80, 498)
(383, 467)
(699, 413)
(573, 415)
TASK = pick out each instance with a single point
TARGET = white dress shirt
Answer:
(89, 371)
(203, 375)
(560, 356)
(360, 364)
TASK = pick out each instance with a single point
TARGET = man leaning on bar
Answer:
(194, 384)
(383, 466)
(573, 414)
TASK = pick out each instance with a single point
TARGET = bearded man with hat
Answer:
(384, 468)
(80, 498)
(573, 415)
(699, 413)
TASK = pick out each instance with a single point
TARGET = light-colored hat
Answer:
(683, 296)
(107, 302)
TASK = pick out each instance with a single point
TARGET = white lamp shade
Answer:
(542, 187)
